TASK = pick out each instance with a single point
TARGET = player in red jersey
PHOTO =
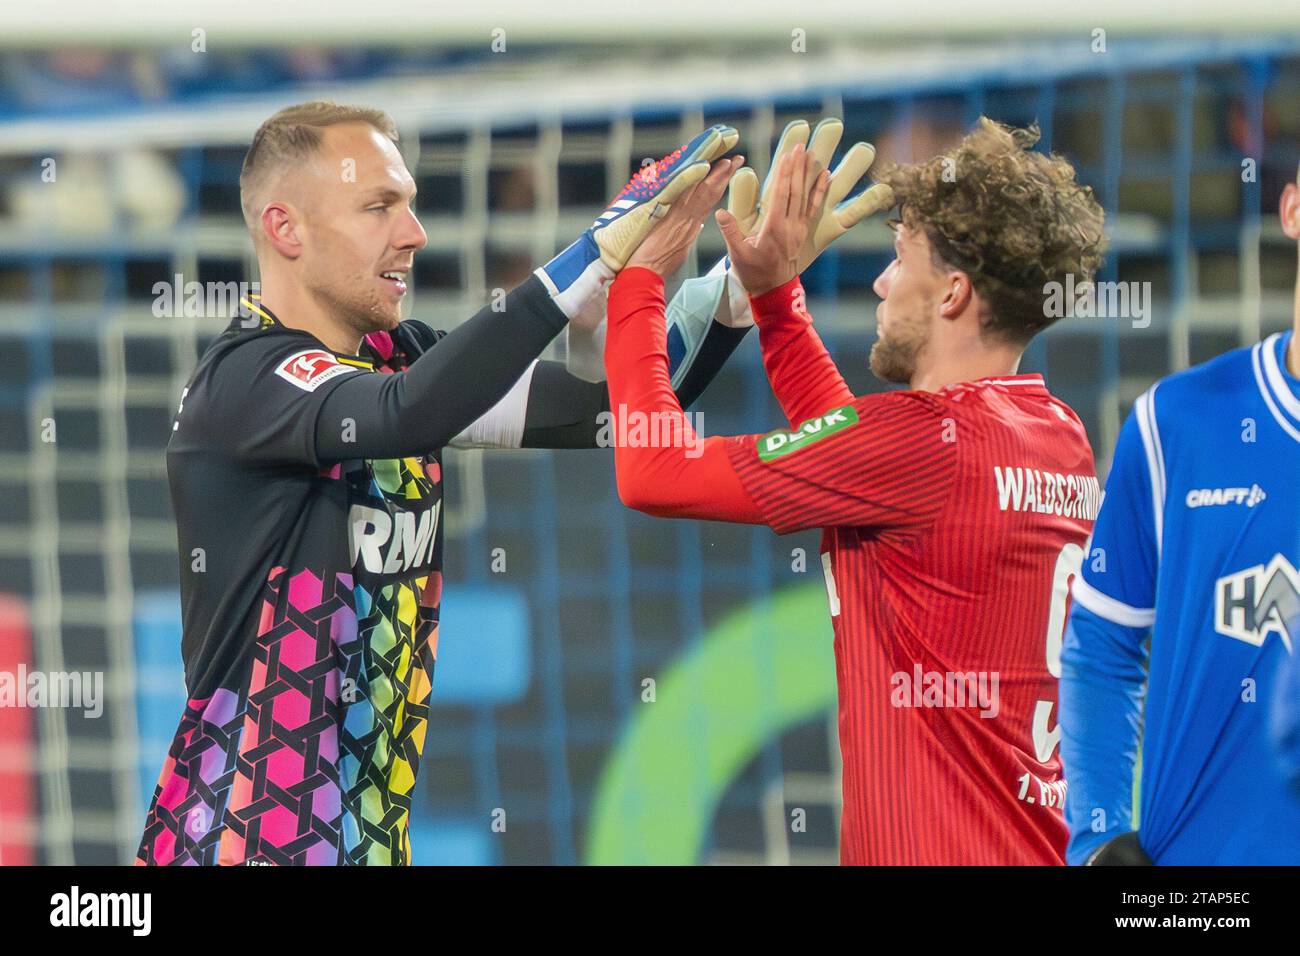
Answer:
(954, 513)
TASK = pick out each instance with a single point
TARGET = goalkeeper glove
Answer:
(1123, 850)
(718, 295)
(578, 276)
(839, 215)
(745, 202)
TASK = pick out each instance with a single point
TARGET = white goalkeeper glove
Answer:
(577, 278)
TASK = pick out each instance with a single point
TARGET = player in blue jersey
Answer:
(1182, 636)
(1286, 716)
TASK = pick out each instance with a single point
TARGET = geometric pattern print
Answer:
(315, 761)
(387, 682)
(194, 785)
(253, 777)
(388, 673)
(285, 806)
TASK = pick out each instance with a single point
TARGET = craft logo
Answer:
(1206, 497)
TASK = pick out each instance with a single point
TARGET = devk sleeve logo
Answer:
(778, 443)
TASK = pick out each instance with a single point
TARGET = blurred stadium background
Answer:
(539, 705)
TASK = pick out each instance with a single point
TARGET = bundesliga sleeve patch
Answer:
(776, 444)
(311, 369)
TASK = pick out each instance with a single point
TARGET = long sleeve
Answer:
(566, 405)
(690, 476)
(1103, 685)
(852, 465)
(550, 407)
(458, 380)
(1285, 723)
(1104, 656)
(801, 372)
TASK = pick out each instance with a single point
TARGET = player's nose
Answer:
(885, 279)
(410, 234)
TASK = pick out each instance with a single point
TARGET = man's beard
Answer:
(893, 358)
(359, 312)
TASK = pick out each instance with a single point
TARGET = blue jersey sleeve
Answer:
(1103, 656)
(1286, 716)
(1118, 580)
(1103, 684)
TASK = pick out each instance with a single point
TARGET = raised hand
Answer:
(748, 204)
(771, 257)
(577, 276)
(665, 249)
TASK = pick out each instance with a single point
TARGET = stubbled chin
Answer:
(888, 365)
(364, 313)
(384, 316)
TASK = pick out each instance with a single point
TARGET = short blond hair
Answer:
(294, 134)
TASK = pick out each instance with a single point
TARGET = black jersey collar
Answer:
(251, 306)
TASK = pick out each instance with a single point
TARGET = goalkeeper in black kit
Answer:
(304, 463)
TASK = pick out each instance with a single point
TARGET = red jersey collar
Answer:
(1029, 384)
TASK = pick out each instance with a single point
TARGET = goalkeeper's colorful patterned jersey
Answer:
(310, 601)
(954, 522)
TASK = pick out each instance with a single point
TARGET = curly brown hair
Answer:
(1011, 219)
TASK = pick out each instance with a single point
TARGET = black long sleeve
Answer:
(564, 411)
(445, 389)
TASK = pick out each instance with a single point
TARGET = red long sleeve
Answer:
(692, 477)
(801, 372)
